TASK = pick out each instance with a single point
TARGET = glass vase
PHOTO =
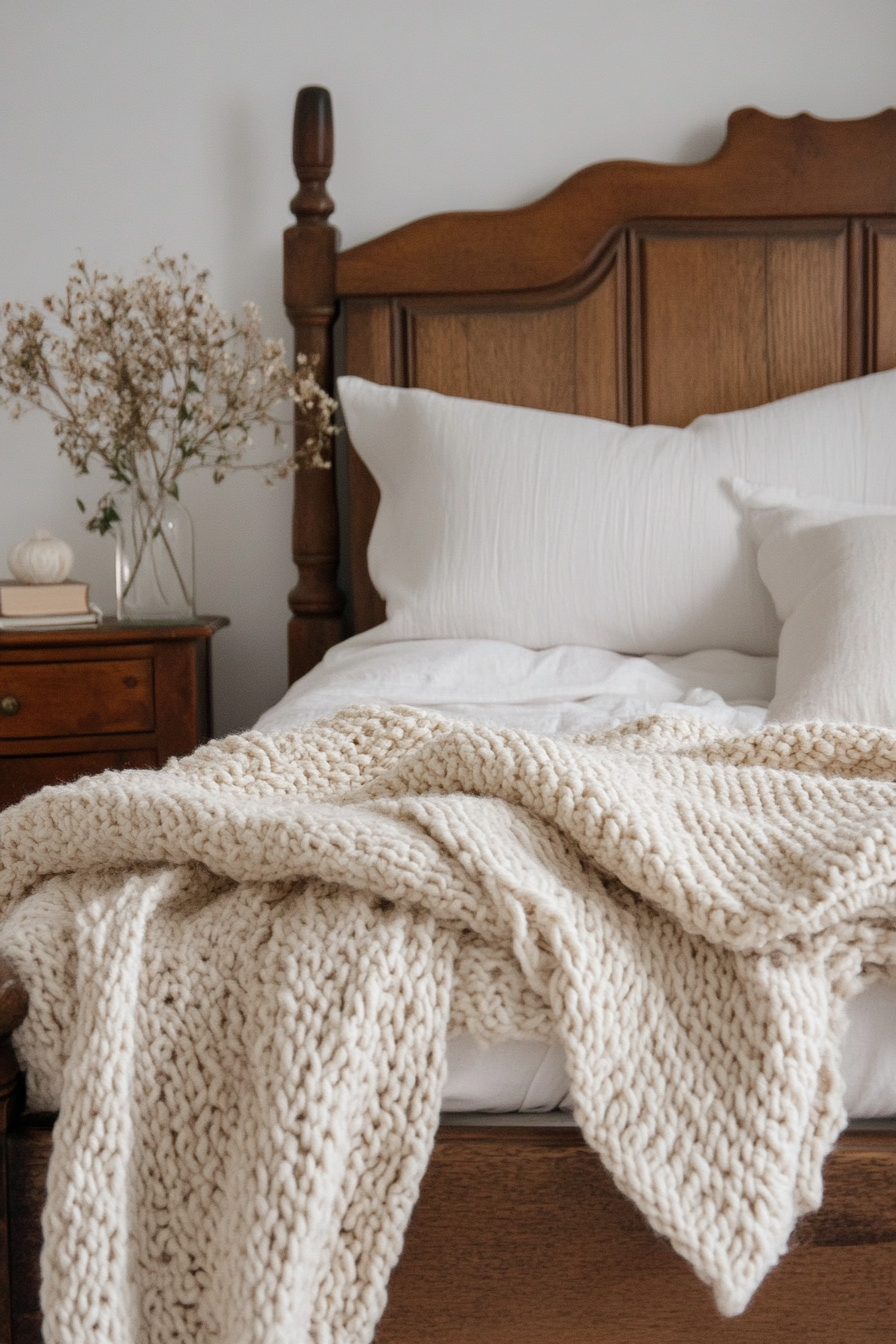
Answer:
(153, 557)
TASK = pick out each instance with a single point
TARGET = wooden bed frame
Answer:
(636, 292)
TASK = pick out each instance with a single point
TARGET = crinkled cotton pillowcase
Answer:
(830, 567)
(497, 522)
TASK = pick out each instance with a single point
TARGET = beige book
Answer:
(43, 599)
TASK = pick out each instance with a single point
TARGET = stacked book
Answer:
(45, 606)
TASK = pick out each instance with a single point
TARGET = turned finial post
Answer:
(309, 291)
(312, 154)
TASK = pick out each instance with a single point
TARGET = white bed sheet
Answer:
(561, 692)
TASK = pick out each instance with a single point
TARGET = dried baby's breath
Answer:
(149, 378)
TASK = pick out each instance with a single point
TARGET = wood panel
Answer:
(725, 317)
(558, 358)
(522, 1238)
(806, 307)
(600, 370)
(368, 340)
(517, 358)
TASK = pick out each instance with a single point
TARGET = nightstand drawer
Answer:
(67, 699)
(21, 775)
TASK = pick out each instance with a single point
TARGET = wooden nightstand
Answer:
(74, 702)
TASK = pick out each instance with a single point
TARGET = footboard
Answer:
(521, 1237)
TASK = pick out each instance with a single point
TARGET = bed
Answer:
(645, 295)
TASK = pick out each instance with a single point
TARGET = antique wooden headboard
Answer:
(636, 292)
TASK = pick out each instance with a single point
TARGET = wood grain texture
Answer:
(727, 317)
(517, 358)
(522, 1238)
(806, 307)
(599, 385)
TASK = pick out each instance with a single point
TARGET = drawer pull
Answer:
(9, 705)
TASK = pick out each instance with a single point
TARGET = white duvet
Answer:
(563, 691)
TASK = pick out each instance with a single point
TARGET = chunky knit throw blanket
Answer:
(243, 968)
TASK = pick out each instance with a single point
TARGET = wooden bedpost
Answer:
(309, 292)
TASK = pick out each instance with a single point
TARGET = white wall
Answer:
(124, 126)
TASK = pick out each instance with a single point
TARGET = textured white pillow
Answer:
(830, 568)
(542, 529)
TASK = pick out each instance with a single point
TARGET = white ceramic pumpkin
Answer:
(43, 558)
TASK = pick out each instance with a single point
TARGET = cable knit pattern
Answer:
(243, 969)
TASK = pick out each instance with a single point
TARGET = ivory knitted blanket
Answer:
(243, 968)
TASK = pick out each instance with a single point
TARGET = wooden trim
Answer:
(631, 351)
(857, 300)
(623, 328)
(878, 280)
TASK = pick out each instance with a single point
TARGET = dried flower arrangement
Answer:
(150, 379)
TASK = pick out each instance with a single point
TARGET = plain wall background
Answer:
(128, 126)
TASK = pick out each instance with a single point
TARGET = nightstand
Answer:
(75, 702)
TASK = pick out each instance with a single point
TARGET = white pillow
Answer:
(541, 529)
(830, 568)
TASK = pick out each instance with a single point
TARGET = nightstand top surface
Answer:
(112, 631)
